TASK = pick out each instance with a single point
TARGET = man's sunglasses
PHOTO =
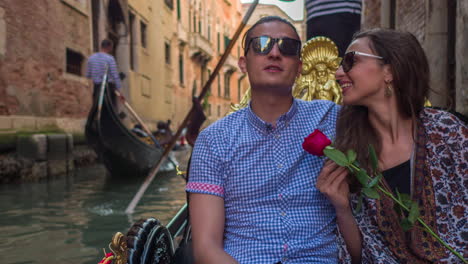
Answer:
(264, 44)
(348, 59)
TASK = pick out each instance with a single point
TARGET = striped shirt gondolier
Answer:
(97, 67)
(316, 8)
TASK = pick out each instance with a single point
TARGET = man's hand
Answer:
(121, 97)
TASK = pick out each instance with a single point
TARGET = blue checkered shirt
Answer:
(273, 211)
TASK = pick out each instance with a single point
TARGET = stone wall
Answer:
(461, 55)
(33, 78)
(411, 16)
(429, 20)
(371, 14)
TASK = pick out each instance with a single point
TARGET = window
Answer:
(179, 15)
(74, 62)
(219, 43)
(169, 3)
(219, 84)
(167, 52)
(190, 20)
(199, 26)
(143, 34)
(181, 68)
(227, 86)
(209, 32)
(194, 88)
(131, 19)
(194, 23)
(226, 42)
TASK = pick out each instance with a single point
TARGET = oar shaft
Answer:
(134, 114)
(131, 207)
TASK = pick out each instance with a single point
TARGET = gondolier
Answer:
(97, 64)
(337, 20)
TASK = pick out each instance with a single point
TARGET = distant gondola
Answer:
(122, 152)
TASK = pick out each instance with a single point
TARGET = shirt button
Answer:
(277, 136)
(280, 165)
(284, 260)
(283, 213)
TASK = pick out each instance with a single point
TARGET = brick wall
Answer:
(33, 81)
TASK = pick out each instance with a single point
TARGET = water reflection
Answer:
(71, 219)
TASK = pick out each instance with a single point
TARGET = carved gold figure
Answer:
(119, 247)
(319, 63)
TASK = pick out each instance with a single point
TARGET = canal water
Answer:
(72, 218)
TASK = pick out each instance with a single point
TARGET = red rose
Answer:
(315, 143)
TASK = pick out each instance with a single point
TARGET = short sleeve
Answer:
(206, 167)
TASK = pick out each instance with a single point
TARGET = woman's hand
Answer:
(332, 183)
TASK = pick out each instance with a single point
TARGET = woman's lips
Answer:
(345, 87)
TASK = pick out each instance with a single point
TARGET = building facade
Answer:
(440, 26)
(166, 49)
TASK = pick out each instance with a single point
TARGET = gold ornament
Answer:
(388, 89)
(319, 64)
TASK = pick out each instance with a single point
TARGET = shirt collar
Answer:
(265, 127)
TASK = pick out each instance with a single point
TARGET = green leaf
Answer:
(375, 180)
(373, 158)
(362, 177)
(351, 155)
(397, 206)
(359, 205)
(414, 212)
(406, 200)
(337, 156)
(406, 224)
(371, 193)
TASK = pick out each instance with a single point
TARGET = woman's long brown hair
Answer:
(410, 68)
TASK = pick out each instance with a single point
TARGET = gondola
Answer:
(122, 152)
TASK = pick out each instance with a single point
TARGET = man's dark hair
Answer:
(107, 43)
(247, 36)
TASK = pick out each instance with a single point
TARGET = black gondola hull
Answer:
(122, 152)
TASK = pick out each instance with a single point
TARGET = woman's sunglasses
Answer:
(264, 44)
(348, 59)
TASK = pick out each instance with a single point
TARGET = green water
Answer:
(70, 220)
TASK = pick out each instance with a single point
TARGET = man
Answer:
(252, 187)
(97, 64)
(337, 20)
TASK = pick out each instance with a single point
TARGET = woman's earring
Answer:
(388, 89)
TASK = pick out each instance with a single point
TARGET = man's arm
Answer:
(207, 219)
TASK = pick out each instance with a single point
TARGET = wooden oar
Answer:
(101, 93)
(131, 207)
(134, 114)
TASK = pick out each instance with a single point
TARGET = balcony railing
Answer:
(200, 47)
(230, 63)
(182, 32)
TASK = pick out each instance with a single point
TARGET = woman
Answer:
(422, 152)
